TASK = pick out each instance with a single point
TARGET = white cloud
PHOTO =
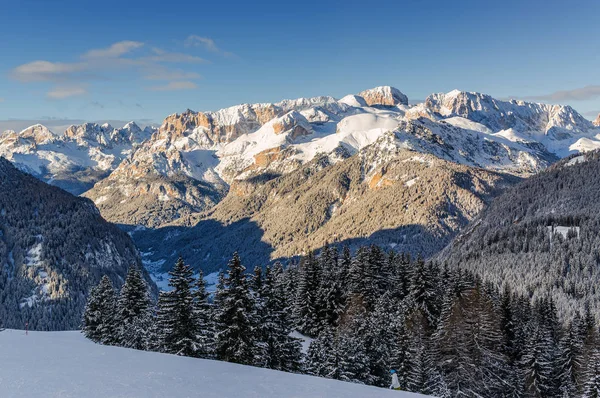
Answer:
(577, 94)
(110, 63)
(114, 51)
(176, 86)
(207, 43)
(165, 56)
(66, 92)
(46, 71)
(198, 41)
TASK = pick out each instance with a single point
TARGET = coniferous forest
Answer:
(445, 331)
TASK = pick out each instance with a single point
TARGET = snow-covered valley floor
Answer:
(65, 364)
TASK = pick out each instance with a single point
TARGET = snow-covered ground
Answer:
(65, 364)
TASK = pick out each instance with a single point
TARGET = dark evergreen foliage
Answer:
(176, 318)
(445, 331)
(235, 320)
(134, 313)
(99, 322)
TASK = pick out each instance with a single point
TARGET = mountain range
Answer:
(278, 179)
(75, 160)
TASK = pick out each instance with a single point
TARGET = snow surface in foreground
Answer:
(65, 364)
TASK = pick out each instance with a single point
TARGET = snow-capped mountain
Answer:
(190, 163)
(193, 167)
(559, 128)
(76, 159)
(597, 121)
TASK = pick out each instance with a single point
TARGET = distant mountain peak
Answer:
(384, 95)
(38, 133)
(597, 121)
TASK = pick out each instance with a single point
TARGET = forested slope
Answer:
(53, 247)
(541, 237)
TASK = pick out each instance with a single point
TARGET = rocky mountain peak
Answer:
(384, 95)
(38, 134)
(558, 121)
(293, 123)
(597, 121)
(90, 133)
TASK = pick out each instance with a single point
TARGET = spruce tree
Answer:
(176, 318)
(99, 316)
(591, 387)
(278, 349)
(306, 311)
(235, 337)
(134, 313)
(204, 319)
(322, 358)
(331, 296)
(353, 359)
(537, 363)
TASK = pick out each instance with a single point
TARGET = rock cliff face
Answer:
(384, 95)
(597, 121)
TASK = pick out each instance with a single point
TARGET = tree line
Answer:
(245, 323)
(445, 331)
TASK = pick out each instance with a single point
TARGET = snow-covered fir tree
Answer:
(234, 317)
(175, 318)
(277, 349)
(99, 322)
(591, 388)
(134, 313)
(204, 319)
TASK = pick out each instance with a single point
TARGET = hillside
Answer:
(65, 364)
(53, 248)
(541, 237)
(393, 197)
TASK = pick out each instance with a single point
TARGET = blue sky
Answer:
(132, 60)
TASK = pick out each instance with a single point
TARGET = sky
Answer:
(131, 60)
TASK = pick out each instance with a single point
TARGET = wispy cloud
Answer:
(70, 78)
(576, 94)
(174, 57)
(114, 51)
(66, 92)
(207, 43)
(37, 71)
(175, 86)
